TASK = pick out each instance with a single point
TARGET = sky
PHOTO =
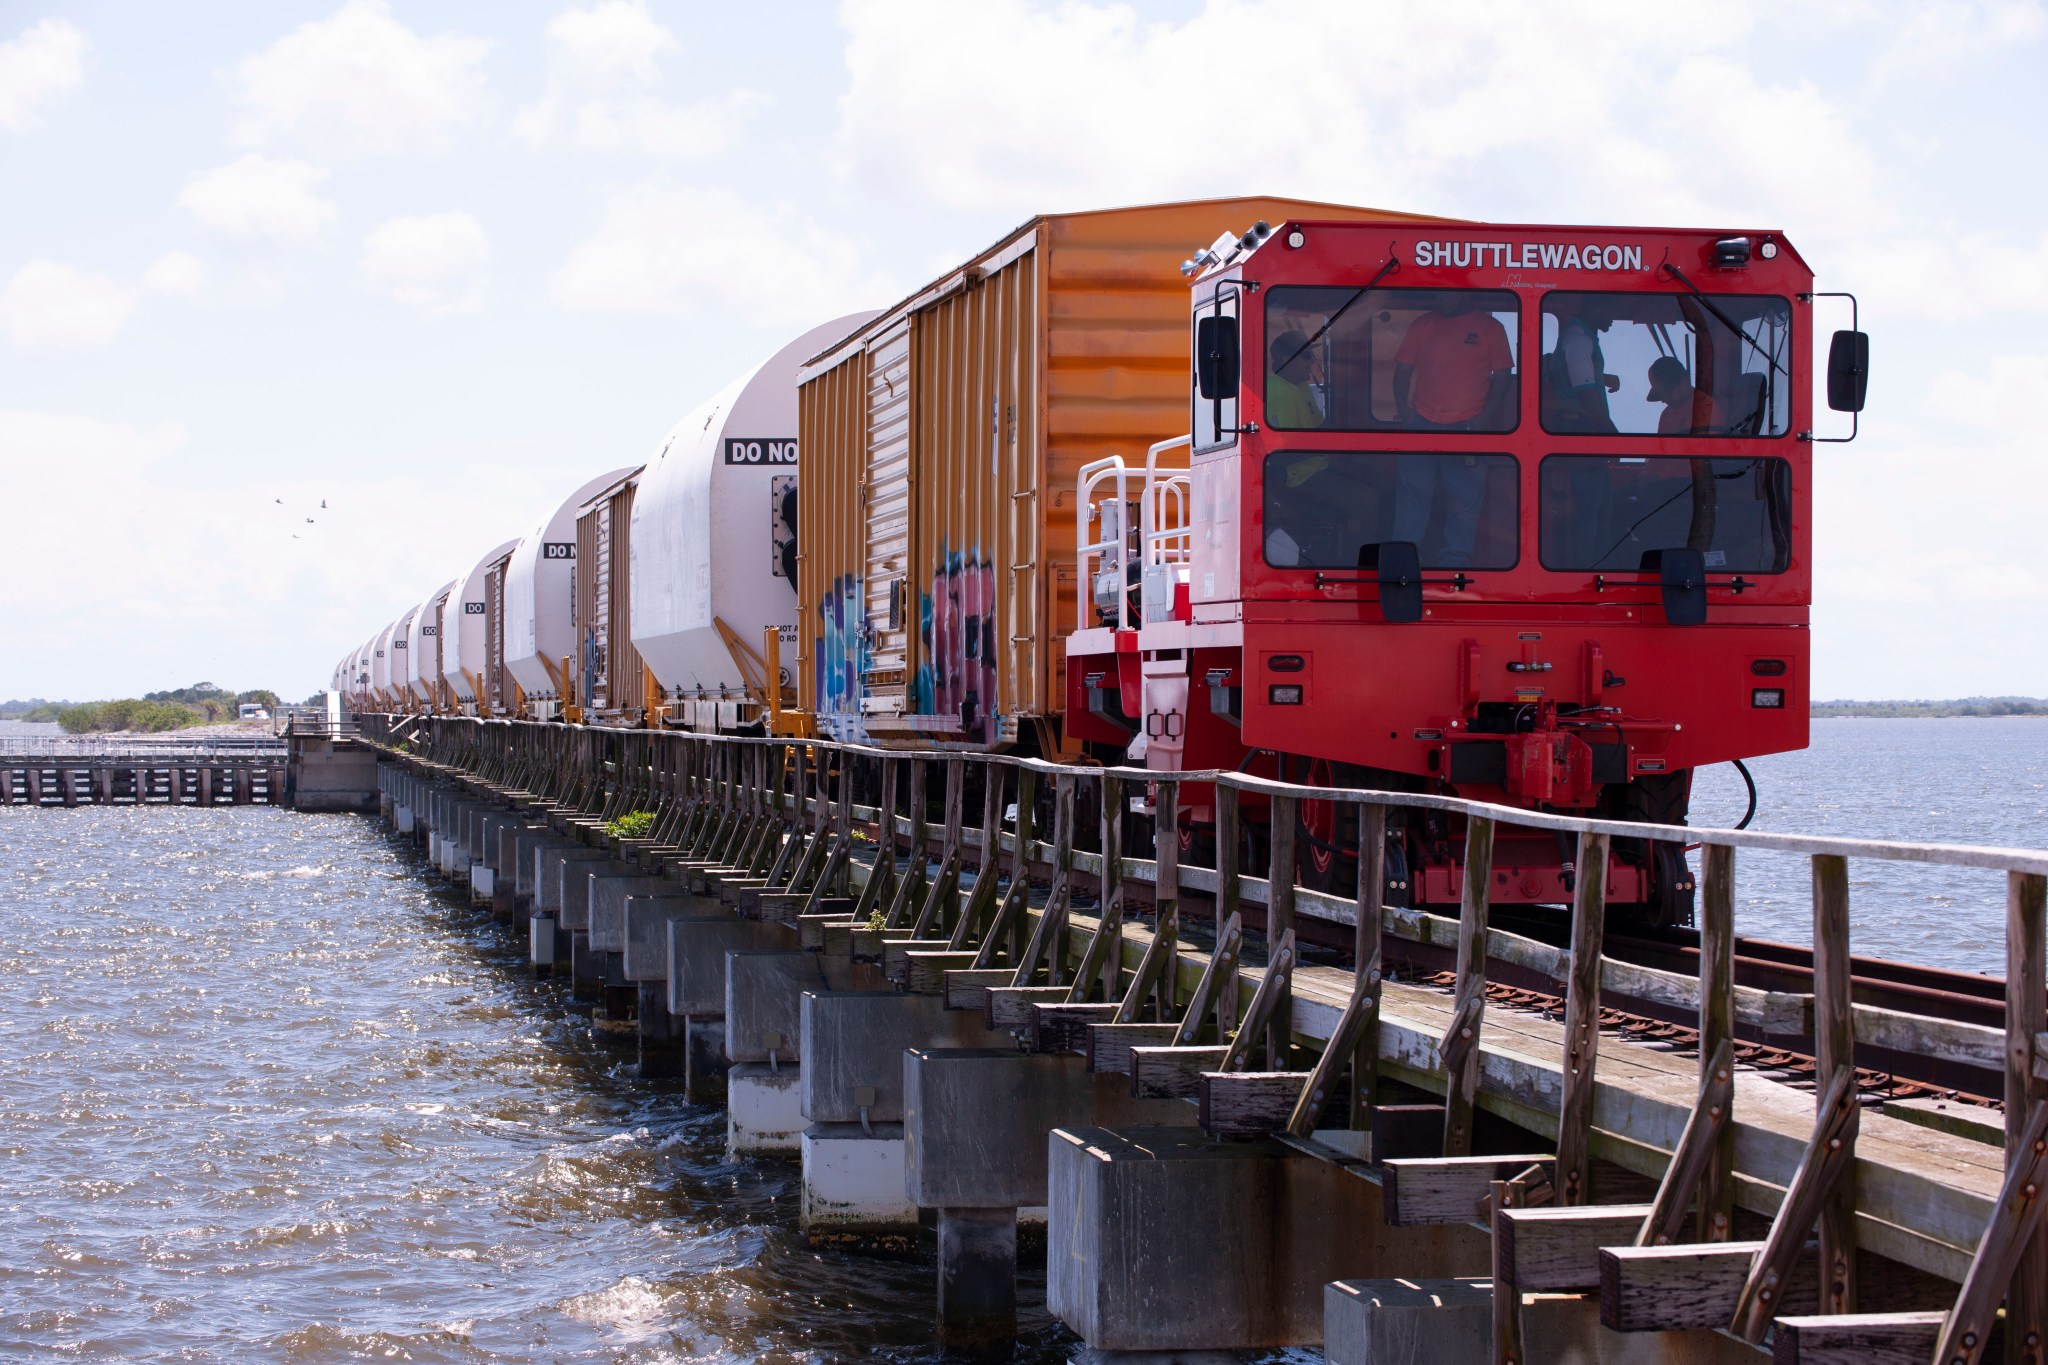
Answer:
(432, 265)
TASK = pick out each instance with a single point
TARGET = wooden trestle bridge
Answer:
(1691, 1151)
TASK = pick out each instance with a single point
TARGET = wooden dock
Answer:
(1667, 1197)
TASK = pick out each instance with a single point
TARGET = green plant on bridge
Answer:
(632, 825)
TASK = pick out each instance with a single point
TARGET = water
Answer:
(267, 1095)
(1959, 780)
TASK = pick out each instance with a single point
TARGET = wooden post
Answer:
(1355, 1040)
(1582, 1021)
(1460, 1046)
(979, 904)
(1717, 1027)
(1111, 907)
(1166, 890)
(1834, 1054)
(1365, 956)
(1507, 1294)
(1020, 867)
(2026, 1018)
(1046, 941)
(1280, 871)
(1226, 896)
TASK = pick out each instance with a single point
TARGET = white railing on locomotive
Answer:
(1166, 534)
(1142, 542)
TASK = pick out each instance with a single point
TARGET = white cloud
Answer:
(258, 196)
(603, 65)
(50, 306)
(1578, 110)
(178, 274)
(702, 252)
(2010, 397)
(435, 263)
(1930, 40)
(1950, 277)
(37, 67)
(362, 83)
(605, 42)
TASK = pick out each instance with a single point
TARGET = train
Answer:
(1340, 495)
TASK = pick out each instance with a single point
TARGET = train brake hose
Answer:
(1750, 783)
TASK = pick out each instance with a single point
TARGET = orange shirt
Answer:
(1454, 360)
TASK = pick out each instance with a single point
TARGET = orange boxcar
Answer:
(941, 446)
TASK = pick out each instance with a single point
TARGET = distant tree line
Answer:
(1967, 706)
(200, 704)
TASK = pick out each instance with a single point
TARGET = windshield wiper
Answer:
(1393, 264)
(1726, 321)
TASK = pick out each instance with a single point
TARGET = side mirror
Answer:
(1848, 371)
(1216, 357)
(1397, 567)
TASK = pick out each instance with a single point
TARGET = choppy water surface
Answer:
(265, 1095)
(1960, 780)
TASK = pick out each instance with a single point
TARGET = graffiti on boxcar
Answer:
(956, 624)
(840, 647)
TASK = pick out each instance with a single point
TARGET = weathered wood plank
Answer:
(1009, 1007)
(1716, 1181)
(926, 972)
(1063, 1026)
(968, 990)
(1459, 1049)
(1109, 1045)
(2026, 1015)
(1247, 1103)
(1173, 1073)
(1450, 1189)
(1856, 1339)
(1582, 1020)
(1663, 1289)
(1366, 952)
(1834, 1053)
(1558, 1249)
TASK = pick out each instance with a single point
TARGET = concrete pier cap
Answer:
(1164, 1239)
(852, 1097)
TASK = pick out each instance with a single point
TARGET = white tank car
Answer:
(380, 667)
(464, 650)
(423, 647)
(714, 541)
(400, 653)
(540, 600)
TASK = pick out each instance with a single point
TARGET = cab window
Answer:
(1341, 358)
(1328, 509)
(1682, 365)
(1616, 514)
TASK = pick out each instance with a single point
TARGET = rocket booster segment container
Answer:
(400, 654)
(539, 600)
(380, 665)
(715, 542)
(465, 619)
(423, 648)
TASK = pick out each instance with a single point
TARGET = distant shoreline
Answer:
(1966, 706)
